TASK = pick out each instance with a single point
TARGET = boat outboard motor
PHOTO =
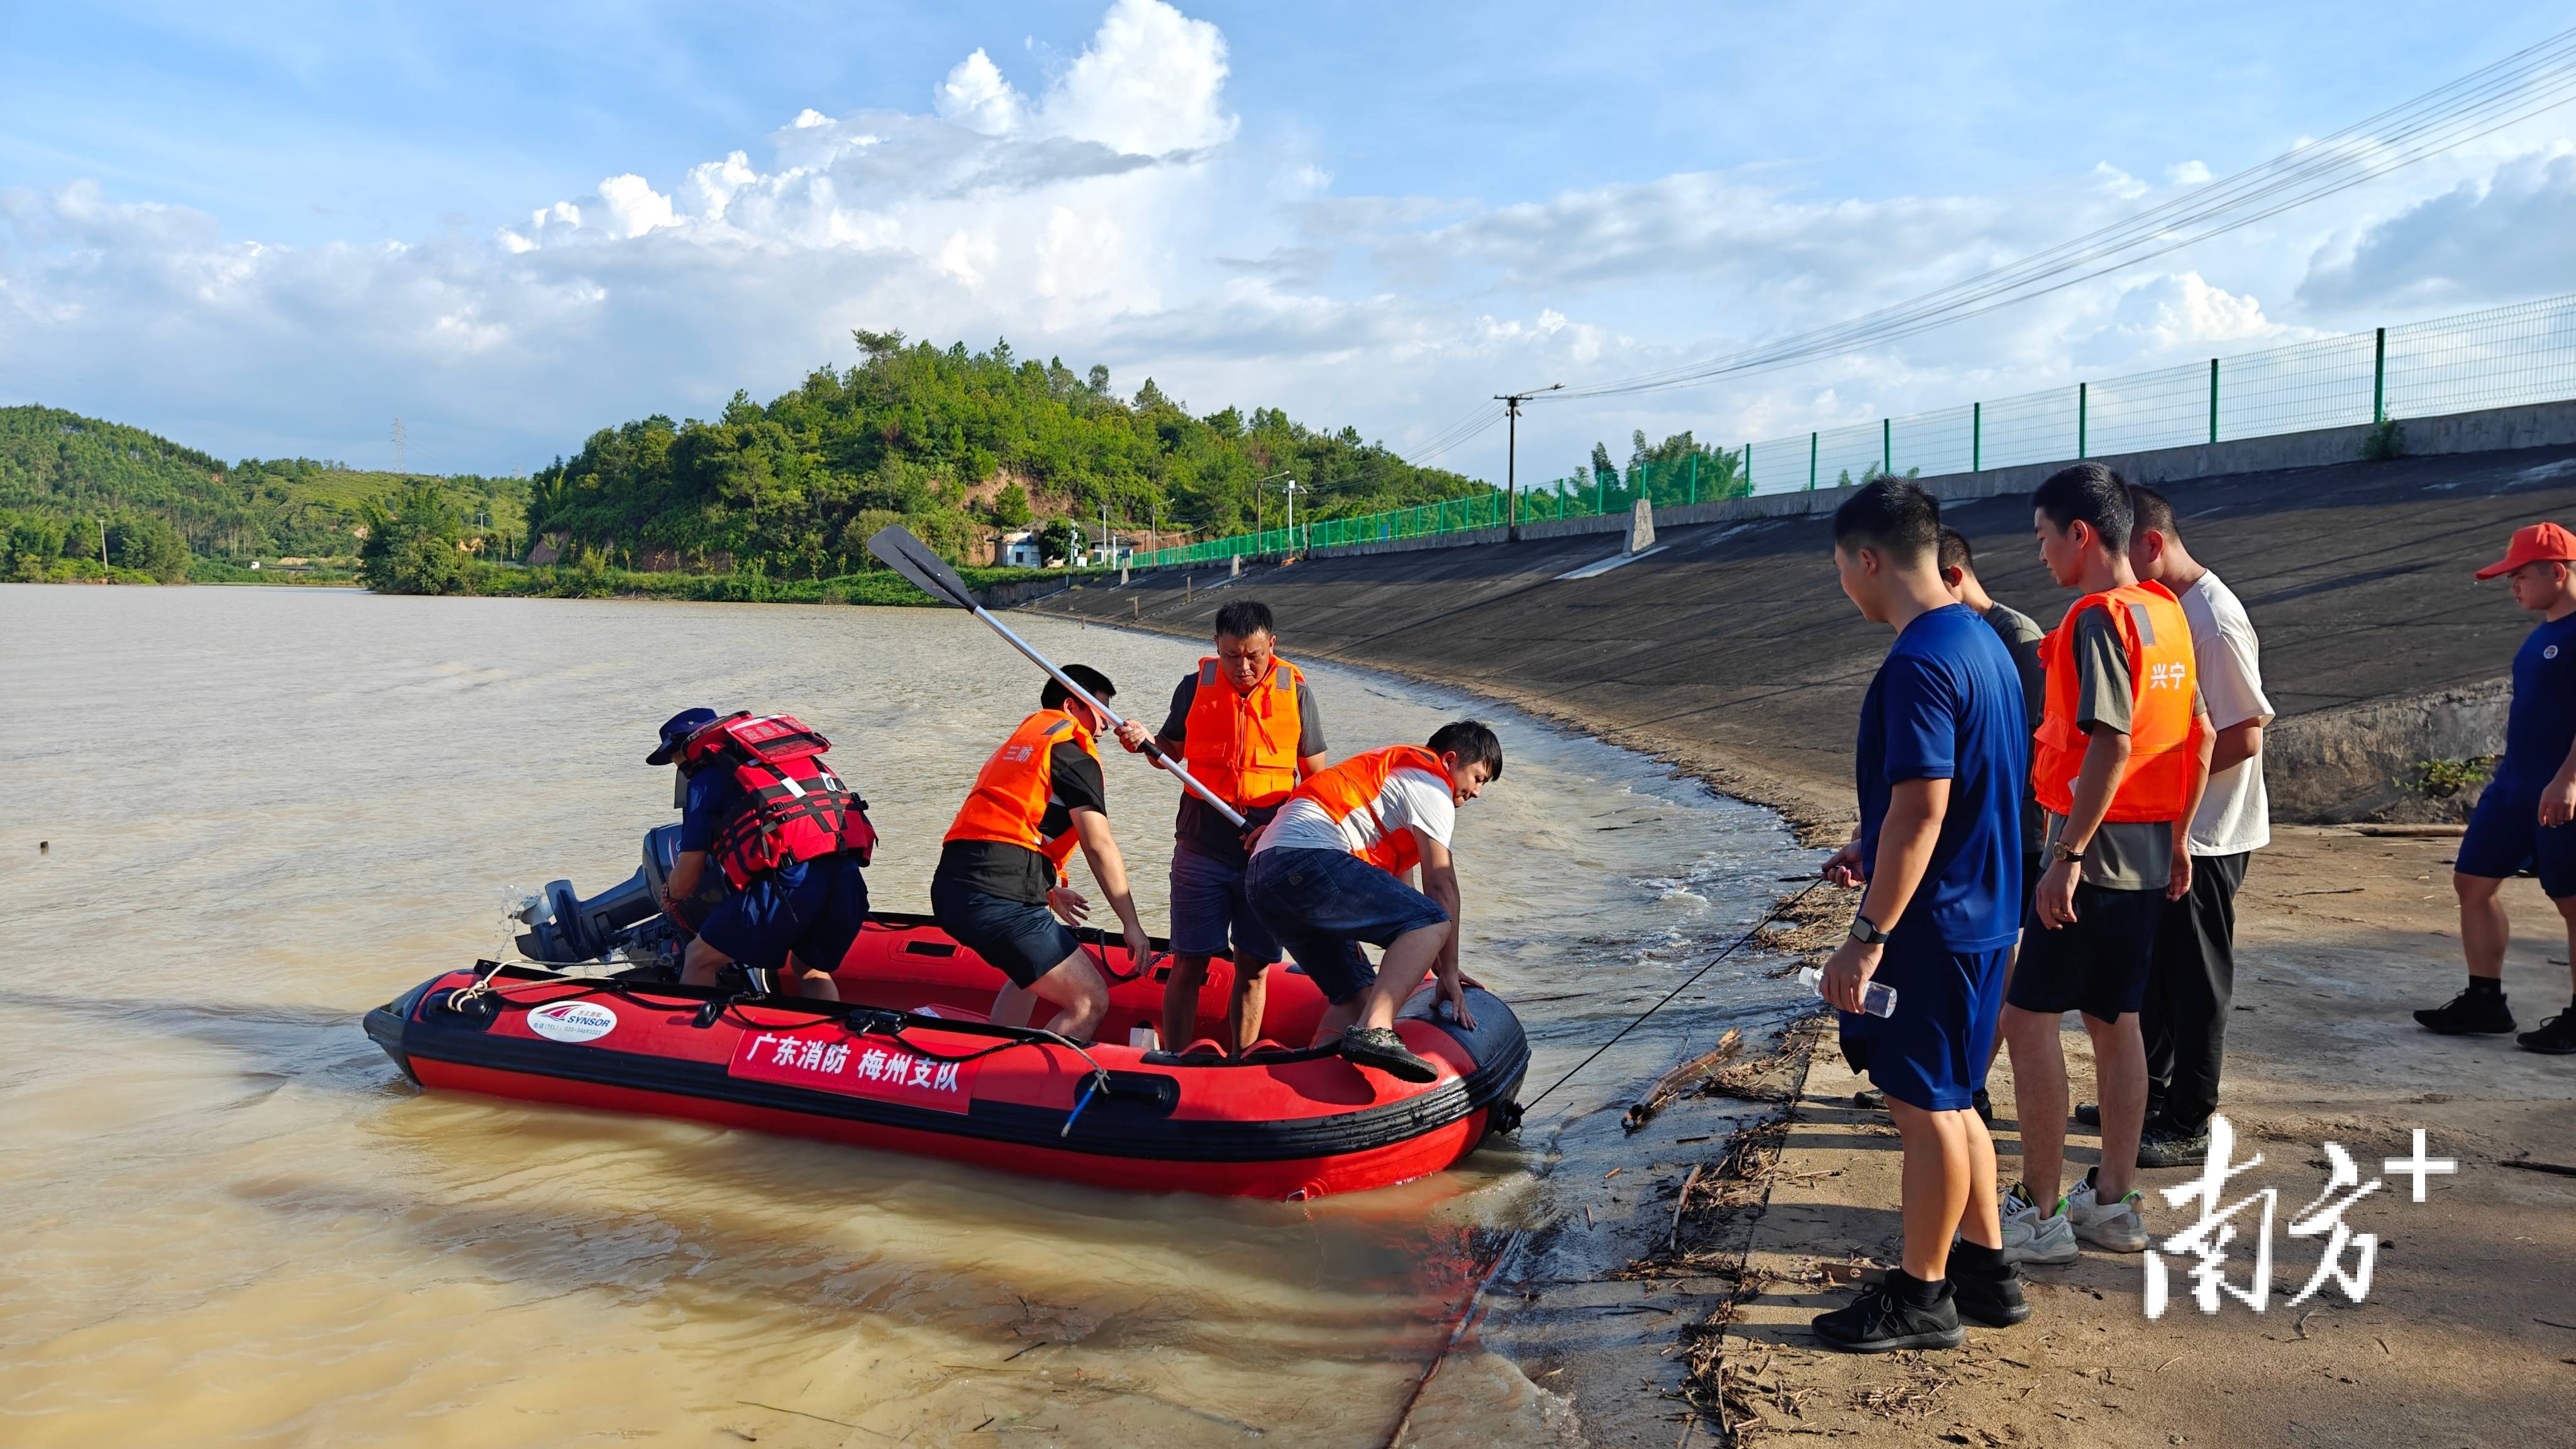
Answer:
(567, 928)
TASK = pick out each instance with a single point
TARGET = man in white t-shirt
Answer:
(1328, 874)
(2194, 975)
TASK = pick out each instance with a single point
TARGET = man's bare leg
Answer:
(1181, 1000)
(1400, 971)
(1075, 987)
(2567, 911)
(698, 967)
(1982, 1221)
(2120, 1080)
(1995, 1048)
(2039, 1100)
(807, 982)
(1244, 1005)
(1337, 1019)
(2485, 930)
(1937, 1174)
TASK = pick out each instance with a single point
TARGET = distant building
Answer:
(1021, 548)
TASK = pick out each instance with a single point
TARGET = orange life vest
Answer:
(1244, 746)
(2150, 625)
(1012, 792)
(1354, 785)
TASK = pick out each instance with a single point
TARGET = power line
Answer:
(2524, 84)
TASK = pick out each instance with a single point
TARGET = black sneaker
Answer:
(1881, 1321)
(1870, 1099)
(2167, 1146)
(2088, 1114)
(2471, 1013)
(1378, 1047)
(2556, 1036)
(1985, 1107)
(1986, 1286)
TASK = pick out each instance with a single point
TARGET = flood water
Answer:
(230, 1220)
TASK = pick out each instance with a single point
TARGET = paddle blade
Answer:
(924, 570)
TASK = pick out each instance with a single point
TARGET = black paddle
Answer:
(931, 574)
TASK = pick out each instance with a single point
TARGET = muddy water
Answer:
(230, 1221)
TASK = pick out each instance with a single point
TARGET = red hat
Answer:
(2533, 544)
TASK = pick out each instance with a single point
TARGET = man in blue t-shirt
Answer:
(1941, 767)
(2522, 820)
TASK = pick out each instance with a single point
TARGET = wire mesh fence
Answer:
(2500, 357)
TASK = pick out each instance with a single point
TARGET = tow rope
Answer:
(1772, 915)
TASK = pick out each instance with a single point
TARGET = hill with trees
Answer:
(958, 447)
(168, 510)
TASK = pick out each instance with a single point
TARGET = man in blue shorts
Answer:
(1941, 770)
(2522, 821)
(791, 851)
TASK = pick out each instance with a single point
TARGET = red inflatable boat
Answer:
(905, 1062)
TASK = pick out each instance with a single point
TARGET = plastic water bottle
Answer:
(1878, 998)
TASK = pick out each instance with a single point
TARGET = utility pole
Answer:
(1511, 402)
(398, 448)
(1290, 488)
(102, 546)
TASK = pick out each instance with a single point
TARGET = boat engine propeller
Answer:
(623, 923)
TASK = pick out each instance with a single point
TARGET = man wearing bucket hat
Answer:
(2522, 820)
(757, 803)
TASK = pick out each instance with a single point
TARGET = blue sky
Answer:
(271, 228)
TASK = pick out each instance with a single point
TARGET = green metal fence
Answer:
(2501, 357)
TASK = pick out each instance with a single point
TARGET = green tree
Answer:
(1011, 506)
(147, 545)
(411, 547)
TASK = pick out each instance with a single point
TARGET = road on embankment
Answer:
(1732, 652)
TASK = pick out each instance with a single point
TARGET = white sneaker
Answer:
(2031, 1238)
(2120, 1227)
(2018, 1204)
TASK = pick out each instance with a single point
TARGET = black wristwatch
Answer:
(1865, 933)
(2058, 851)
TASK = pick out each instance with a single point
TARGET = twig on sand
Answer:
(2526, 1164)
(1643, 1110)
(1683, 1201)
(818, 1418)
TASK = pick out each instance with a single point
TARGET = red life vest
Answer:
(793, 807)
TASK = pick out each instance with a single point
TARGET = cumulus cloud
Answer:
(1113, 213)
(2501, 237)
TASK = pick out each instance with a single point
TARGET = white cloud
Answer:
(2500, 237)
(2188, 173)
(1114, 213)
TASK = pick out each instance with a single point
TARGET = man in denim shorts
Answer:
(1246, 724)
(1328, 875)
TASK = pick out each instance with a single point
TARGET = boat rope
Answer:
(1503, 1253)
(1776, 911)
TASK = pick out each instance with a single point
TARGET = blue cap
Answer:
(676, 731)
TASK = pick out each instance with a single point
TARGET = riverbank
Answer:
(1731, 654)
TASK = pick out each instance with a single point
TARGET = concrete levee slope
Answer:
(1732, 650)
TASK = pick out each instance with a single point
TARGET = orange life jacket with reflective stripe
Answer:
(2157, 637)
(1012, 791)
(1244, 746)
(1354, 785)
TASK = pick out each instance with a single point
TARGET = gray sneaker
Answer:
(2169, 1147)
(2119, 1227)
(1383, 1049)
(2030, 1237)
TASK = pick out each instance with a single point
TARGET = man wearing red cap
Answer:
(2522, 821)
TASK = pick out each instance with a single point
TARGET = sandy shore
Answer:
(1733, 657)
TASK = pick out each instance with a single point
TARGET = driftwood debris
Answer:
(1679, 1079)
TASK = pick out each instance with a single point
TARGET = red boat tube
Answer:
(906, 1063)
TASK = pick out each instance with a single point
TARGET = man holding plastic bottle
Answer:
(1940, 767)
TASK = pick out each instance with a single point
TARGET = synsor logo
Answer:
(572, 1021)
